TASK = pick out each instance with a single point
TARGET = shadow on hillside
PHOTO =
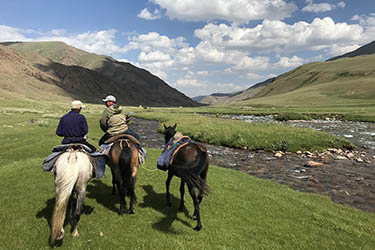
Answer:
(102, 193)
(158, 202)
(47, 211)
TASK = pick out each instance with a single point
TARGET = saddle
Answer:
(172, 148)
(142, 152)
(75, 146)
(49, 162)
(122, 136)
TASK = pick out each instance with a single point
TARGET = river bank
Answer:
(345, 180)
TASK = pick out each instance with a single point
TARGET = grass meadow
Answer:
(242, 212)
(252, 136)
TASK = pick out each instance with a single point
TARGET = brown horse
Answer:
(190, 163)
(124, 166)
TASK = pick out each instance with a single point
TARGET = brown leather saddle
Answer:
(122, 136)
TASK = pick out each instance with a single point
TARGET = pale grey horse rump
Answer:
(73, 170)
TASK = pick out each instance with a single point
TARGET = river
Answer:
(362, 134)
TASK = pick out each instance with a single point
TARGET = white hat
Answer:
(77, 104)
(109, 98)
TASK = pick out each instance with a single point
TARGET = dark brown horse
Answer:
(124, 166)
(190, 163)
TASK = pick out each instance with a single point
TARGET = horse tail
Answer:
(191, 172)
(65, 178)
(128, 181)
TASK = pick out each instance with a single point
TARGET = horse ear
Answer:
(165, 127)
(175, 125)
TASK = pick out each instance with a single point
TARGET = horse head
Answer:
(169, 132)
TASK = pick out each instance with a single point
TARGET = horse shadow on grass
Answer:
(102, 193)
(158, 202)
(47, 211)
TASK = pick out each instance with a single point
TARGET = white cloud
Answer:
(10, 34)
(322, 7)
(254, 76)
(341, 5)
(154, 56)
(277, 36)
(339, 50)
(145, 14)
(286, 62)
(188, 82)
(154, 41)
(203, 73)
(230, 10)
(365, 20)
(259, 63)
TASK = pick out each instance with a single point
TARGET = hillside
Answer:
(367, 49)
(329, 82)
(88, 76)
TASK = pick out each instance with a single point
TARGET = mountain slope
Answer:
(21, 79)
(367, 49)
(90, 77)
(330, 82)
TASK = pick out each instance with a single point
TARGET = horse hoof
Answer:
(61, 236)
(198, 228)
(194, 217)
(131, 212)
(75, 233)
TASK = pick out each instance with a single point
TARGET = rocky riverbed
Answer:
(346, 177)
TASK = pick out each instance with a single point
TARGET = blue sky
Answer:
(198, 47)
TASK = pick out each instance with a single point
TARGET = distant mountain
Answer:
(215, 98)
(367, 49)
(250, 92)
(226, 98)
(77, 74)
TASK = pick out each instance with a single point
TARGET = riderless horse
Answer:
(72, 170)
(189, 162)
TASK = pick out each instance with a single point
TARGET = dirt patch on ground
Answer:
(346, 181)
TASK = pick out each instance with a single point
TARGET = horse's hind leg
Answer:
(196, 214)
(77, 213)
(113, 182)
(167, 183)
(182, 193)
(116, 181)
(132, 195)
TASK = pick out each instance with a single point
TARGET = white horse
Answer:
(73, 170)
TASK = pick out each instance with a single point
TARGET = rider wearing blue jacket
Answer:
(73, 126)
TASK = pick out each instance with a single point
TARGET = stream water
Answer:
(362, 134)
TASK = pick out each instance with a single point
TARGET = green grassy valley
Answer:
(242, 212)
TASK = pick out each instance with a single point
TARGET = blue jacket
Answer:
(73, 127)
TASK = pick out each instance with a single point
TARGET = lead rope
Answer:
(150, 170)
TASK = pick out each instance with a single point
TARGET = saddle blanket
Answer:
(165, 157)
(98, 158)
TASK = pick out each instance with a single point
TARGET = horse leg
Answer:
(196, 214)
(121, 192)
(182, 193)
(77, 213)
(113, 182)
(132, 195)
(167, 183)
